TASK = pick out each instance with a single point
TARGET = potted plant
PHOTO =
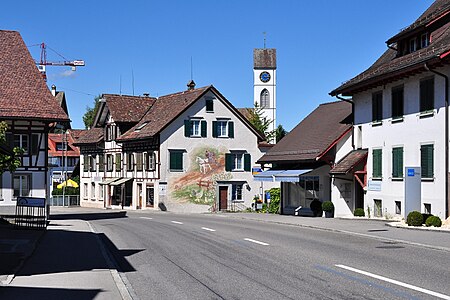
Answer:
(328, 208)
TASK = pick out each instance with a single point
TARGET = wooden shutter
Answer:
(247, 162)
(427, 161)
(231, 129)
(427, 95)
(214, 129)
(187, 128)
(101, 162)
(203, 125)
(377, 163)
(176, 160)
(397, 162)
(228, 162)
(118, 162)
(209, 105)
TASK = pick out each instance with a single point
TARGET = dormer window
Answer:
(412, 45)
(424, 40)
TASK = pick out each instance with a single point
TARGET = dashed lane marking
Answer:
(208, 229)
(256, 242)
(176, 222)
(406, 285)
(147, 218)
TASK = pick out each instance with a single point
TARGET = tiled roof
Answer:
(91, 136)
(54, 138)
(77, 133)
(163, 111)
(265, 58)
(312, 136)
(23, 92)
(390, 67)
(348, 162)
(127, 109)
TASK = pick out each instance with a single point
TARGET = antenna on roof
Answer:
(192, 70)
(120, 85)
(264, 33)
(132, 80)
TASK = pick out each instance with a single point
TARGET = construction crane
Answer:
(42, 63)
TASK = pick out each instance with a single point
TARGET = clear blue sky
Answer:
(320, 44)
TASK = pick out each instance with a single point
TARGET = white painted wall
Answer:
(271, 86)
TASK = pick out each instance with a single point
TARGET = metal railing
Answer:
(67, 200)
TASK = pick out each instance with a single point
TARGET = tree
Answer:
(260, 122)
(89, 115)
(280, 133)
(9, 158)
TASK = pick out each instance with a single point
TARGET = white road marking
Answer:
(176, 222)
(208, 229)
(256, 242)
(146, 218)
(406, 285)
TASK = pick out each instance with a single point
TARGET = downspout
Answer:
(353, 118)
(446, 135)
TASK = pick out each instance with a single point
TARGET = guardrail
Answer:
(66, 200)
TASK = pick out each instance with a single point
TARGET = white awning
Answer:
(290, 175)
(266, 175)
(120, 181)
(108, 180)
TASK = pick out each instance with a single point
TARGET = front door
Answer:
(223, 197)
(150, 196)
(139, 187)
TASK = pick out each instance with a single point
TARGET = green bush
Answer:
(425, 217)
(359, 212)
(67, 191)
(433, 221)
(414, 218)
(274, 207)
(327, 206)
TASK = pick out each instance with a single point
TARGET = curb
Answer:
(430, 229)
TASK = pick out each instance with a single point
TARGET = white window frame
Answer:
(195, 128)
(235, 192)
(238, 161)
(150, 161)
(22, 177)
(222, 128)
(86, 191)
(93, 191)
(21, 141)
(101, 193)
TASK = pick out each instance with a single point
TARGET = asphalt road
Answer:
(177, 256)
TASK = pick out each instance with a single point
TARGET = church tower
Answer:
(265, 83)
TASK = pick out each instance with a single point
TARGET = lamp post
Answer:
(64, 143)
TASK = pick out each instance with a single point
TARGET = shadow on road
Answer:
(89, 216)
(14, 292)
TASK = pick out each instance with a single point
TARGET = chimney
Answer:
(191, 85)
(146, 94)
(53, 90)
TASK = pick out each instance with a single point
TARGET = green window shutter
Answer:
(228, 162)
(85, 163)
(118, 162)
(176, 161)
(231, 129)
(187, 128)
(427, 95)
(214, 128)
(427, 161)
(397, 162)
(203, 125)
(247, 162)
(101, 163)
(377, 163)
(209, 105)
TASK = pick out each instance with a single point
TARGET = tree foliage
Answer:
(260, 122)
(8, 162)
(280, 133)
(89, 115)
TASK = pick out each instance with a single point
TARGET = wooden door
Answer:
(223, 197)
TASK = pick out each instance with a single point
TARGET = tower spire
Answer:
(264, 33)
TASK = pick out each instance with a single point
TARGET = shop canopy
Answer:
(109, 180)
(120, 181)
(281, 175)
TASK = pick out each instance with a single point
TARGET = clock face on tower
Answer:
(264, 76)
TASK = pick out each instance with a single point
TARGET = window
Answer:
(109, 162)
(427, 208)
(35, 143)
(22, 185)
(377, 163)
(85, 193)
(118, 162)
(223, 128)
(236, 192)
(209, 105)
(397, 103)
(237, 161)
(195, 128)
(378, 208)
(150, 161)
(265, 99)
(71, 161)
(176, 160)
(92, 191)
(21, 141)
(101, 192)
(427, 95)
(412, 45)
(101, 162)
(112, 132)
(377, 107)
(85, 163)
(398, 207)
(61, 146)
(427, 161)
(424, 40)
(92, 163)
(397, 162)
(139, 162)
(130, 162)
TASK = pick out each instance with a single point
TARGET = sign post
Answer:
(412, 190)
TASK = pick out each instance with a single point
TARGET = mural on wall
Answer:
(198, 185)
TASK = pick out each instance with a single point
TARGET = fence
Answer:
(67, 200)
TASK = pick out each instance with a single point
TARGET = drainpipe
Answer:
(353, 118)
(446, 135)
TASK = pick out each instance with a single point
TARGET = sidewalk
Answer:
(68, 263)
(372, 228)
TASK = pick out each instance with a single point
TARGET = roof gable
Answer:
(23, 92)
(313, 136)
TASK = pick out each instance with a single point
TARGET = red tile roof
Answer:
(55, 138)
(127, 109)
(313, 136)
(91, 136)
(23, 92)
(348, 162)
